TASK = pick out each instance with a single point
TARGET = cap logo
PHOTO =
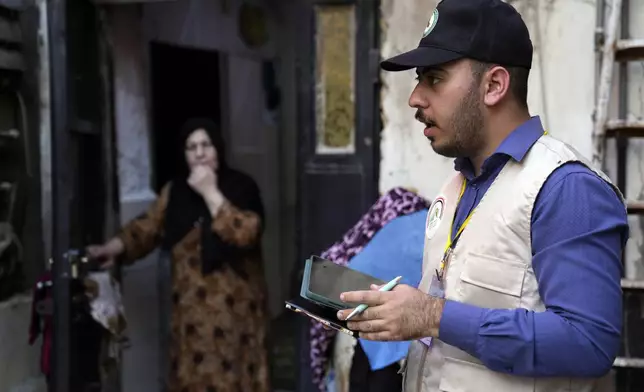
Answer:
(431, 24)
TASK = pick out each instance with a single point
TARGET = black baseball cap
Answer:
(490, 31)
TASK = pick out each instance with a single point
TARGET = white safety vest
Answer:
(491, 267)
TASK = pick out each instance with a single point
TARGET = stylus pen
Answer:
(388, 287)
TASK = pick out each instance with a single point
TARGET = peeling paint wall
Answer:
(561, 91)
(407, 158)
(561, 84)
(139, 367)
(130, 105)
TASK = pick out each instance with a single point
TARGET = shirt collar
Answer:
(516, 145)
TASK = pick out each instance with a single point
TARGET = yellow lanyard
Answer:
(448, 245)
(465, 222)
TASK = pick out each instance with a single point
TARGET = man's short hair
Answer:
(518, 80)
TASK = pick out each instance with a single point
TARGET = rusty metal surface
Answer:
(635, 206)
(633, 284)
(629, 50)
(625, 128)
(623, 362)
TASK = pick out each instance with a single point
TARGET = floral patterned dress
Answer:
(219, 320)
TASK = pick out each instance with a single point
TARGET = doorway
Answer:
(238, 93)
(185, 83)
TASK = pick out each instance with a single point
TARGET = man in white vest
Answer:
(522, 261)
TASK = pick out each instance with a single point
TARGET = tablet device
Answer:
(322, 314)
(323, 282)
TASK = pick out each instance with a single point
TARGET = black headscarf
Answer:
(186, 208)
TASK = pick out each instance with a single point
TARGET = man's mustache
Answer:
(425, 120)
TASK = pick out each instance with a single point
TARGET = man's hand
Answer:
(405, 313)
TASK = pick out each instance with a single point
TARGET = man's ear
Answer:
(496, 85)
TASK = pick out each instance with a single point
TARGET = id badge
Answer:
(436, 289)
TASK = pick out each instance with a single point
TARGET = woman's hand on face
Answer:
(203, 180)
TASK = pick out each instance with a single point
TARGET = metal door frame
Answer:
(368, 127)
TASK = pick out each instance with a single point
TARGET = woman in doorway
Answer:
(210, 220)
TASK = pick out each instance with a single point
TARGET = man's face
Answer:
(449, 103)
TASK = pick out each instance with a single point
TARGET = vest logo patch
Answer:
(434, 216)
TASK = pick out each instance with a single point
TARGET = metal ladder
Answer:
(615, 47)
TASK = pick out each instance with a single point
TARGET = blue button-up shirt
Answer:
(579, 228)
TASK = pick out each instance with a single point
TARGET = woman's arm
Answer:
(142, 235)
(234, 225)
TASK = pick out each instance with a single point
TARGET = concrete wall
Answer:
(561, 91)
(139, 368)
